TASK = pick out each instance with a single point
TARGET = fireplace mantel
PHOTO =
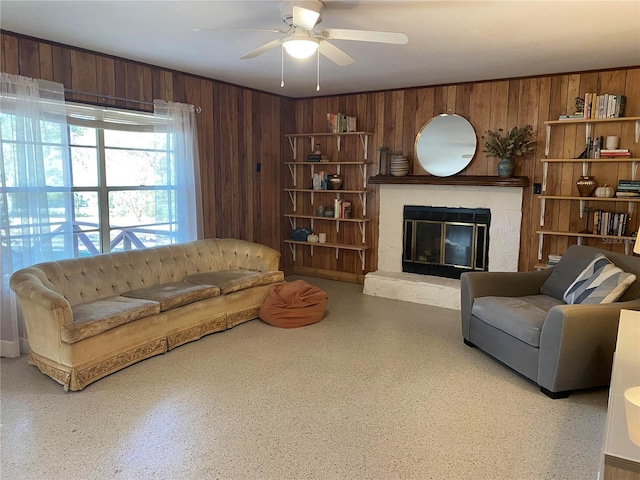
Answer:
(469, 180)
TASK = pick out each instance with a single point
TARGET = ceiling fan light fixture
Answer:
(300, 47)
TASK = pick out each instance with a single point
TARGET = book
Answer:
(621, 106)
(615, 150)
(611, 155)
(346, 209)
(629, 182)
(352, 124)
(628, 187)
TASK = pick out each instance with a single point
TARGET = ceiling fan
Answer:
(302, 41)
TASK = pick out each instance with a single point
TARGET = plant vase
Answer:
(383, 167)
(335, 182)
(399, 166)
(506, 168)
(586, 185)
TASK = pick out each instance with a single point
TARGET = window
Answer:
(122, 184)
(118, 184)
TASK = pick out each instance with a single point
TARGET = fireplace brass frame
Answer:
(443, 231)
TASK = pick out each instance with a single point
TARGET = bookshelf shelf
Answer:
(585, 235)
(545, 196)
(293, 138)
(360, 249)
(313, 218)
(589, 160)
(588, 123)
(591, 199)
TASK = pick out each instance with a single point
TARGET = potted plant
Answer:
(508, 147)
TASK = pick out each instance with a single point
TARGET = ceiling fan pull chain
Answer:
(282, 66)
(318, 72)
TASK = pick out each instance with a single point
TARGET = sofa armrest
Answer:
(44, 310)
(501, 284)
(29, 288)
(577, 344)
(248, 255)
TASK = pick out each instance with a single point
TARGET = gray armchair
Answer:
(520, 319)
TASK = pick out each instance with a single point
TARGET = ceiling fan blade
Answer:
(262, 49)
(274, 30)
(365, 36)
(305, 18)
(334, 54)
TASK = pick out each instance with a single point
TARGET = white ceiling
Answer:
(449, 41)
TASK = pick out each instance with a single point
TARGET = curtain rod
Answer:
(111, 97)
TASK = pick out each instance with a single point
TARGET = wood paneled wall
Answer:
(397, 116)
(240, 128)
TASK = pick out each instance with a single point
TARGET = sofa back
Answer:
(86, 279)
(574, 261)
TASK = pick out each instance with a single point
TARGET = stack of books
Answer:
(573, 116)
(604, 105)
(341, 123)
(615, 152)
(594, 149)
(610, 223)
(554, 258)
(628, 188)
(317, 158)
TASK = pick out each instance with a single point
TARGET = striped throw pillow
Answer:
(600, 282)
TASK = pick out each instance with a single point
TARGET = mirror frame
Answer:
(463, 148)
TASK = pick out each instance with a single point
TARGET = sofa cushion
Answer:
(600, 282)
(92, 318)
(229, 281)
(174, 295)
(520, 317)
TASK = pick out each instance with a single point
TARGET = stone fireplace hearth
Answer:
(505, 205)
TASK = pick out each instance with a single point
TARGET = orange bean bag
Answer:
(293, 304)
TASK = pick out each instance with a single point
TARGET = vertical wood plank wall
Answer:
(239, 128)
(396, 117)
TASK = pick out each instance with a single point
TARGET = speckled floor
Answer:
(380, 389)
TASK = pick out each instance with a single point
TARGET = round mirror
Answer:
(445, 145)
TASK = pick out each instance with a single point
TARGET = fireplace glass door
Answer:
(445, 248)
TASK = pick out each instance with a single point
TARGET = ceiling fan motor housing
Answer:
(286, 9)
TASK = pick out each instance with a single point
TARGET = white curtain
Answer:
(36, 204)
(177, 122)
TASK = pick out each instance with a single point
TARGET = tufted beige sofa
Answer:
(91, 316)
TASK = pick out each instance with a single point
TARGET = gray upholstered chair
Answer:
(521, 319)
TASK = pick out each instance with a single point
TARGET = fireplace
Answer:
(390, 281)
(443, 241)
